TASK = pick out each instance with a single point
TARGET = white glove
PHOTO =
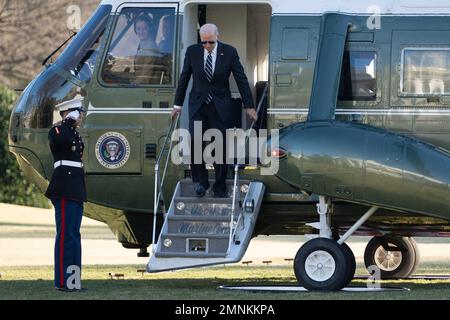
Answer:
(75, 115)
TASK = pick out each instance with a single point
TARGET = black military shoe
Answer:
(64, 289)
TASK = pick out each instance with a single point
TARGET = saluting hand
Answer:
(251, 112)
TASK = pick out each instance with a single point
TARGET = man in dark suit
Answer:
(210, 63)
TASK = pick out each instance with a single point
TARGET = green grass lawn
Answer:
(37, 283)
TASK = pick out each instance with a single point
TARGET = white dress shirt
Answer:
(205, 57)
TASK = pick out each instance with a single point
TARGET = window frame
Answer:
(146, 5)
(403, 94)
(362, 98)
(352, 104)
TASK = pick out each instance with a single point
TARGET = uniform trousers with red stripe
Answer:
(68, 216)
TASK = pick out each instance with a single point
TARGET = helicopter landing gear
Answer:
(396, 257)
(323, 263)
(143, 253)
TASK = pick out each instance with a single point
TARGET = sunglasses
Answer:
(210, 42)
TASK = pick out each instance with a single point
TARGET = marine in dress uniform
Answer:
(67, 191)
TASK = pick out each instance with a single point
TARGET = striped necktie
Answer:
(209, 74)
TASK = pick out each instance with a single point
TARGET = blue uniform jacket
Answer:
(66, 182)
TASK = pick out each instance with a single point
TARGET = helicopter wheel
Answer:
(323, 264)
(399, 262)
(351, 269)
(417, 253)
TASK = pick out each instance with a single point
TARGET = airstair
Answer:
(202, 231)
(208, 230)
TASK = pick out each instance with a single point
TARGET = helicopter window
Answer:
(358, 76)
(80, 56)
(52, 86)
(141, 49)
(425, 71)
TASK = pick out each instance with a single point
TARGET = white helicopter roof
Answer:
(435, 7)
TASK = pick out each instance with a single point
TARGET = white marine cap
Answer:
(71, 105)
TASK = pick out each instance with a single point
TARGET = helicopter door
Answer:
(130, 105)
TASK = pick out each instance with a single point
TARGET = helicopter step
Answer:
(208, 230)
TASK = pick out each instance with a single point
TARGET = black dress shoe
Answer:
(200, 191)
(220, 194)
(63, 289)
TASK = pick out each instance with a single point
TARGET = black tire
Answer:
(406, 258)
(337, 278)
(417, 254)
(351, 269)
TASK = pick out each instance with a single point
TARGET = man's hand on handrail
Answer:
(251, 112)
(176, 111)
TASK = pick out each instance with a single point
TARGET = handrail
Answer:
(158, 159)
(233, 207)
(236, 172)
(263, 96)
(161, 195)
(158, 195)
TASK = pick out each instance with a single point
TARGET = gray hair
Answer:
(209, 28)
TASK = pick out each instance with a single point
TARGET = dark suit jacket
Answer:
(227, 62)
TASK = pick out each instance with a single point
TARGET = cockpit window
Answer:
(425, 71)
(79, 58)
(141, 49)
(358, 76)
(55, 84)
